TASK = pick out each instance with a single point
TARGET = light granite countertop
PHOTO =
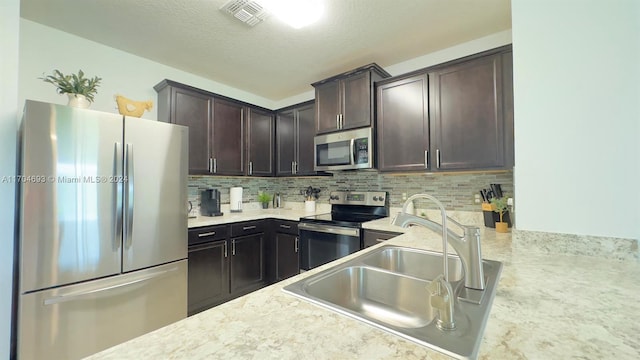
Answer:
(547, 306)
(291, 211)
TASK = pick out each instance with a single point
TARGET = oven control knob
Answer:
(375, 198)
(381, 198)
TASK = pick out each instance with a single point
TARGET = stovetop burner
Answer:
(350, 208)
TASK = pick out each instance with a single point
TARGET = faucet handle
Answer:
(441, 299)
(438, 286)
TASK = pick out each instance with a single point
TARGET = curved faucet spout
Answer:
(407, 220)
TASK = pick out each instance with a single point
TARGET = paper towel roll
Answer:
(235, 202)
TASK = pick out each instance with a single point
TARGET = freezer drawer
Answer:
(75, 321)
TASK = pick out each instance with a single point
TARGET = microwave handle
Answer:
(353, 151)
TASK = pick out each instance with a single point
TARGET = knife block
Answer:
(491, 217)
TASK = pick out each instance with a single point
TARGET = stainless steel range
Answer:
(327, 237)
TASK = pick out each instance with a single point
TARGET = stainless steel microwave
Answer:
(344, 150)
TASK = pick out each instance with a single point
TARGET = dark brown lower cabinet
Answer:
(228, 261)
(287, 260)
(374, 237)
(208, 283)
(225, 268)
(283, 255)
(247, 263)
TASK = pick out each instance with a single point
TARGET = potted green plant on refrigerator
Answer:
(78, 88)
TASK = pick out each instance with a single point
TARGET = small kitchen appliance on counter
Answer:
(235, 199)
(210, 203)
(327, 237)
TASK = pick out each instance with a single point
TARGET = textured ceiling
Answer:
(271, 59)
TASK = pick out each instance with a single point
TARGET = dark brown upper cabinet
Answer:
(346, 101)
(260, 140)
(403, 124)
(295, 130)
(192, 109)
(220, 130)
(467, 112)
(454, 116)
(227, 157)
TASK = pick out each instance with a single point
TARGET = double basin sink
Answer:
(387, 288)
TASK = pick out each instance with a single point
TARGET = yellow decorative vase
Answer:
(502, 227)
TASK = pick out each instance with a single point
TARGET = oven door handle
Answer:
(338, 230)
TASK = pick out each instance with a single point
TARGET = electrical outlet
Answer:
(404, 196)
(476, 198)
(509, 201)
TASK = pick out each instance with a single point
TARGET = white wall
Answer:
(121, 72)
(455, 52)
(9, 26)
(577, 116)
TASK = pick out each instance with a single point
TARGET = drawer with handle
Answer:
(285, 226)
(374, 237)
(247, 228)
(207, 234)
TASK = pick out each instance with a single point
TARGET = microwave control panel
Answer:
(361, 150)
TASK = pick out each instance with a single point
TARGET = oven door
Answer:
(320, 244)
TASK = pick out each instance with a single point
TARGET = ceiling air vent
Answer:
(247, 11)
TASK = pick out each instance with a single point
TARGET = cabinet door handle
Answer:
(295, 167)
(341, 121)
(381, 240)
(337, 121)
(206, 234)
(292, 168)
(245, 228)
(285, 226)
(233, 247)
(250, 167)
(211, 165)
(438, 158)
(426, 159)
(297, 244)
(225, 249)
(215, 166)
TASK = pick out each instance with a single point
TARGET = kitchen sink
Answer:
(376, 294)
(387, 288)
(418, 263)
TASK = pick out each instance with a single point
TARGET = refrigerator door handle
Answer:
(118, 184)
(81, 295)
(128, 165)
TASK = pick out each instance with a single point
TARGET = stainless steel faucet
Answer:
(467, 245)
(468, 248)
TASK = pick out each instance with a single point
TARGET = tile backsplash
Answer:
(455, 190)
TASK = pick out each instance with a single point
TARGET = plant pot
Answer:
(265, 205)
(502, 227)
(78, 101)
(310, 206)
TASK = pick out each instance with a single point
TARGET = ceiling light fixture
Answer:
(295, 13)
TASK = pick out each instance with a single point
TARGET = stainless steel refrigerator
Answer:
(102, 230)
